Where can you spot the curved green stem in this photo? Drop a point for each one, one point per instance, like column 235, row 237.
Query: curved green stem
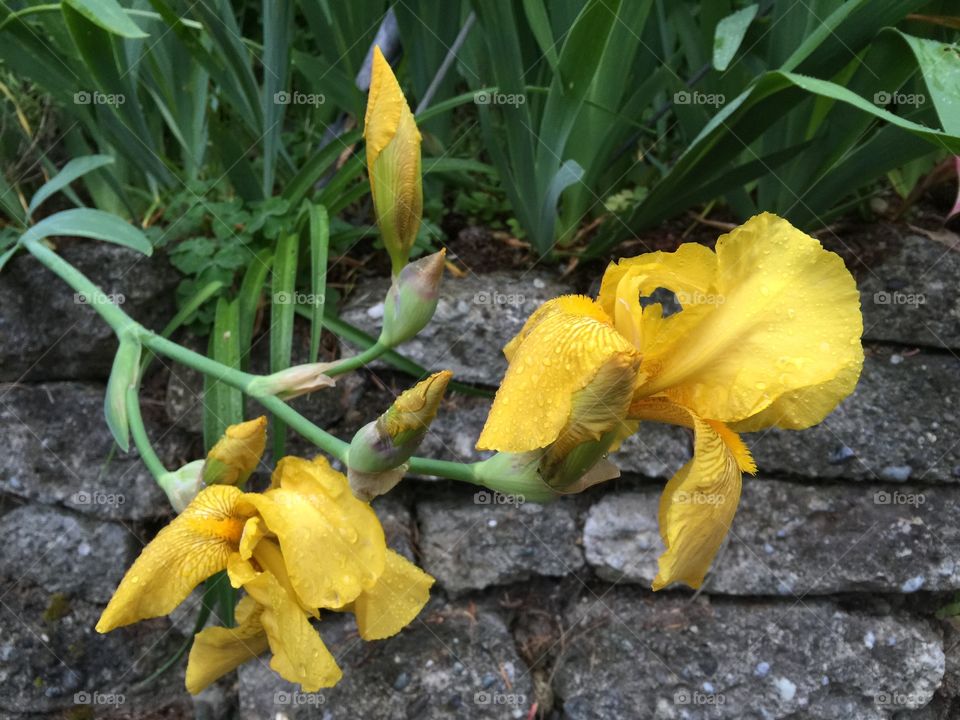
column 139, row 432
column 123, row 325
column 19, row 14
column 358, row 361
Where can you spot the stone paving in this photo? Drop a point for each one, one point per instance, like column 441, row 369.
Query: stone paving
column 823, row 603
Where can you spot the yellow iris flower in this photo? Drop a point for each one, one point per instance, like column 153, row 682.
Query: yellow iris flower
column 393, row 162
column 303, row 545
column 768, row 336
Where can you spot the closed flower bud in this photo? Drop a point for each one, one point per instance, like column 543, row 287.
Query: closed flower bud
column 293, row 382
column 236, row 454
column 182, row 486
column 412, row 299
column 393, row 161
column 379, row 451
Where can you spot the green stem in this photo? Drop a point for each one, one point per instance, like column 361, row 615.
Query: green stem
column 358, row 361
column 139, row 432
column 123, row 324
column 95, row 297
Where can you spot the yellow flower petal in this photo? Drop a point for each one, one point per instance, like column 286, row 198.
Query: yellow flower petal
column 299, row 654
column 332, row 543
column 385, row 105
column 557, row 353
column 182, row 555
column 219, row 650
column 786, row 317
column 699, row 502
column 690, row 273
column 806, row 406
column 397, row 598
column 236, row 454
column 393, row 161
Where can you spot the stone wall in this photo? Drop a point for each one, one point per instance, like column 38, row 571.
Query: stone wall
column 822, row 604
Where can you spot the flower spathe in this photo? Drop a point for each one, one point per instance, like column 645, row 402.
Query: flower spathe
column 768, row 336
column 305, row 545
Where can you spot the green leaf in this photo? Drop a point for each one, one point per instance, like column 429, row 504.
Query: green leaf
column 319, row 248
column 222, row 404
column 109, row 15
column 5, row 257
column 539, row 22
column 74, row 169
column 248, row 296
column 940, row 65
column 86, row 222
column 123, row 376
column 283, row 287
column 729, row 34
column 277, row 40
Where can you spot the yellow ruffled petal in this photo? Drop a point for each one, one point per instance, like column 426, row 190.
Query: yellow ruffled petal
column 299, row 654
column 785, row 319
column 699, row 502
column 690, row 273
column 236, row 454
column 397, row 598
column 557, row 353
column 333, row 545
column 219, row 650
column 186, row 552
column 393, row 161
